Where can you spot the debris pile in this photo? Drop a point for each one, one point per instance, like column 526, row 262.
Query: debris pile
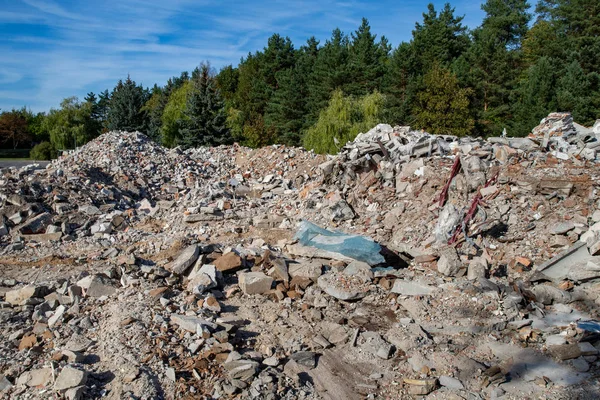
column 407, row 265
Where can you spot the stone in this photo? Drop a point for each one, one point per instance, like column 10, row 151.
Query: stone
column 279, row 270
column 565, row 351
column 20, row 297
column 185, row 259
column 57, row 316
column 451, row 383
column 311, row 269
column 587, row 349
column 562, row 228
column 76, row 393
column 70, row 377
column 5, row 384
column 420, row 386
column 580, row 365
column 342, row 287
column 384, row 351
column 305, row 358
column 97, row 285
column 271, row 361
column 73, row 356
column 37, row 224
column 36, row 377
column 477, row 269
column 555, row 340
column 191, row 323
column 254, row 282
column 170, row 373
column 228, row 262
column 411, row 288
column 449, row 264
column 359, row 269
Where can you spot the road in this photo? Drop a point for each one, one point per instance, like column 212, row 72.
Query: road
column 21, row 163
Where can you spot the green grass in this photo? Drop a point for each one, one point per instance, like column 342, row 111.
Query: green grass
column 15, row 159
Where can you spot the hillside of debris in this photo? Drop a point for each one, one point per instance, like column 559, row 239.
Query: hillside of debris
column 408, row 264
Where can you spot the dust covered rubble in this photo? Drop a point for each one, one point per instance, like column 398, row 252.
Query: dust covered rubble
column 133, row 271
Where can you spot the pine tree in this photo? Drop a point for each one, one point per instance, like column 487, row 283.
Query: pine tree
column 286, row 111
column 443, row 107
column 536, row 97
column 125, row 110
column 330, row 72
column 441, row 38
column 497, row 61
column 367, row 61
column 204, row 122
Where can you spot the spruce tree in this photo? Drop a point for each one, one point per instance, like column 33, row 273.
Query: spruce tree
column 204, row 120
column 367, row 61
column 125, row 110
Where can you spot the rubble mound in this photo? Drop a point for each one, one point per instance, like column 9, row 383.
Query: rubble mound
column 131, row 162
column 408, row 264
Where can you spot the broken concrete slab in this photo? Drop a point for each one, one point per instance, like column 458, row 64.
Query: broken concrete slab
column 254, row 282
column 411, row 288
column 185, row 259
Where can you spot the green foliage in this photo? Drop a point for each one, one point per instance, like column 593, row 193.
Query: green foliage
column 343, row 119
column 536, row 97
column 13, row 128
column 71, row 125
column 173, row 115
column 443, row 107
column 43, row 151
column 203, row 122
column 126, row 107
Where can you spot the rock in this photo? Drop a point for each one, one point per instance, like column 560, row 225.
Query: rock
column 76, row 393
column 587, row 349
column 450, row 382
column 580, row 365
column 420, row 386
column 340, row 211
column 20, row 297
column 36, row 377
column 565, row 351
column 241, row 369
column 170, row 373
column 562, row 227
column 185, row 259
column 385, row 351
column 97, row 285
column 555, row 340
column 57, row 316
column 360, row 270
column 311, row 269
column 254, row 282
column 305, row 358
column 271, row 361
column 409, row 288
column 279, row 271
column 70, row 377
column 191, row 323
column 5, row 384
column 342, row 287
column 477, row 269
column 37, row 224
column 449, row 264
column 228, row 262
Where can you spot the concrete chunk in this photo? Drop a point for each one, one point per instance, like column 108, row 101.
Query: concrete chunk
column 254, row 282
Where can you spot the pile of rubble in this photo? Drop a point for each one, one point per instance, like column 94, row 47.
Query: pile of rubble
column 438, row 266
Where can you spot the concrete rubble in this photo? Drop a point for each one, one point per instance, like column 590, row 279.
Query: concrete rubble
column 128, row 270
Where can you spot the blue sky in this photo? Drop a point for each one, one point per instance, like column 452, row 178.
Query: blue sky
column 53, row 49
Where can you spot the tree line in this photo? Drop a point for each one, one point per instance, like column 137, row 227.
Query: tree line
column 511, row 71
